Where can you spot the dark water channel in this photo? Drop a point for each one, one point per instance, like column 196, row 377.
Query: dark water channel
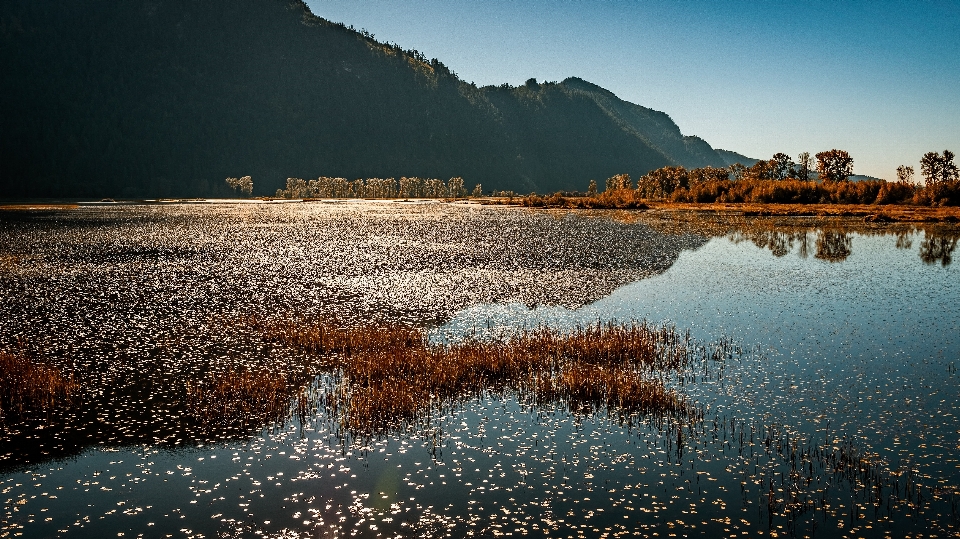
column 838, row 419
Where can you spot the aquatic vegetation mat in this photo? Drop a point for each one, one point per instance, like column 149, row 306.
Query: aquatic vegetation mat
column 394, row 374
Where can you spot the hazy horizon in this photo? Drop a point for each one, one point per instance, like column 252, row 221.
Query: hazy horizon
column 877, row 79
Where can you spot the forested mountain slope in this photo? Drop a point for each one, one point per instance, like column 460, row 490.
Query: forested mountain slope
column 168, row 97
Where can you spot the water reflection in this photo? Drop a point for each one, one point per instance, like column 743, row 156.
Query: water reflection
column 861, row 361
column 828, row 238
column 840, row 424
column 938, row 246
column 833, row 246
column 904, row 240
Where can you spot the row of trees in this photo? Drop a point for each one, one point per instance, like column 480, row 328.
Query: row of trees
column 936, row 169
column 242, row 185
column 833, row 165
column 818, row 179
column 780, row 179
column 324, row 187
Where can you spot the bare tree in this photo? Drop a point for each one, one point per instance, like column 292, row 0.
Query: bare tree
column 804, row 166
column 905, row 174
column 243, row 185
column 455, row 188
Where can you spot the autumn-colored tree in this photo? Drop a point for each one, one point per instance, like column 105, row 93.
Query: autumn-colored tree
column 761, row 170
column 707, row 174
column 938, row 169
column 618, row 182
column 737, row 171
column 834, row 165
column 660, row 183
column 781, row 166
column 477, row 191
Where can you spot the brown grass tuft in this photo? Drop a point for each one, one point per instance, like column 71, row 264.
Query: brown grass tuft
column 29, row 387
column 392, row 375
column 243, row 397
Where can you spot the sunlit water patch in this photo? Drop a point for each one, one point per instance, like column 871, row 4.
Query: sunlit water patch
column 837, row 419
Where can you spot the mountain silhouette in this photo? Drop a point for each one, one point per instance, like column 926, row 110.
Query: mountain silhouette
column 127, row 98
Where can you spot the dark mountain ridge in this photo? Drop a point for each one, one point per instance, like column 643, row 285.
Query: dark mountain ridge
column 169, row 97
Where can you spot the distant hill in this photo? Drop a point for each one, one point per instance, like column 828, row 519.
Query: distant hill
column 862, row 178
column 732, row 158
column 128, row 98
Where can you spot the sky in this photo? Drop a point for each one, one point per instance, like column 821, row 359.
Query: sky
column 879, row 79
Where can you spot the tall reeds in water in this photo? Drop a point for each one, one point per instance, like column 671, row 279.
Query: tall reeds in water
column 29, row 387
column 386, row 376
column 391, row 375
column 248, row 396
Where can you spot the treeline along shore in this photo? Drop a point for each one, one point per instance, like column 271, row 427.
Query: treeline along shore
column 778, row 186
column 778, row 180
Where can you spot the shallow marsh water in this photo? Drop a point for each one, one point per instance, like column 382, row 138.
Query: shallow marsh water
column 852, row 353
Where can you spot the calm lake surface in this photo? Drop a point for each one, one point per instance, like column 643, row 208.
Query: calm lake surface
column 836, row 418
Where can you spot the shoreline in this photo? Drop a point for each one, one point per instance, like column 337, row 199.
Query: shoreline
column 867, row 212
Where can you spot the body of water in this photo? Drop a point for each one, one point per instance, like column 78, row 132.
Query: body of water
column 833, row 416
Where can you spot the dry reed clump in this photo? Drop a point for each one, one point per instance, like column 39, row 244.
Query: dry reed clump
column 621, row 199
column 29, row 387
column 393, row 375
column 240, row 397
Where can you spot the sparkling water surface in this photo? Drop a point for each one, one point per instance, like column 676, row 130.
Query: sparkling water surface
column 849, row 358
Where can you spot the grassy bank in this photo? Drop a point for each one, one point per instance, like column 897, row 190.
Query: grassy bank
column 867, row 212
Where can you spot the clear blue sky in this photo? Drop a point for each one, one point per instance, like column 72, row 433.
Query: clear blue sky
column 880, row 79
